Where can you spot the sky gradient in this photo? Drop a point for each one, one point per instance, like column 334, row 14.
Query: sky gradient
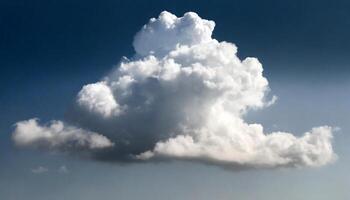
column 50, row 49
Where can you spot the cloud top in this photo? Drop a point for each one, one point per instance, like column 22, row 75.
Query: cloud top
column 182, row 96
column 165, row 33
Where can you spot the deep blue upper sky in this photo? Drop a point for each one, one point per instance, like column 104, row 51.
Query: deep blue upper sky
column 54, row 38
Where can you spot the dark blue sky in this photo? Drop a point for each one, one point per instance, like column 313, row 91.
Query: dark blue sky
column 50, row 49
column 67, row 37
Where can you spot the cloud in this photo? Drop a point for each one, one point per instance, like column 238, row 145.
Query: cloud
column 164, row 34
column 258, row 150
column 98, row 98
column 63, row 170
column 183, row 96
column 40, row 170
column 57, row 136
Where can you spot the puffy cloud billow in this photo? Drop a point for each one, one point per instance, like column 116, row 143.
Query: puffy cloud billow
column 182, row 96
column 57, row 136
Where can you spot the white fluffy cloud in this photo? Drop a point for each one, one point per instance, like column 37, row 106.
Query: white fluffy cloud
column 98, row 98
column 57, row 136
column 183, row 96
column 254, row 149
column 201, row 89
column 167, row 32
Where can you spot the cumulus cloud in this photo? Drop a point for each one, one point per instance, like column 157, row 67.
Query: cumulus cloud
column 63, row 169
column 57, row 136
column 183, row 96
column 40, row 170
column 98, row 98
column 164, row 34
column 257, row 150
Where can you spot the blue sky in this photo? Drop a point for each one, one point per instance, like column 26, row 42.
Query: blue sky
column 49, row 50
